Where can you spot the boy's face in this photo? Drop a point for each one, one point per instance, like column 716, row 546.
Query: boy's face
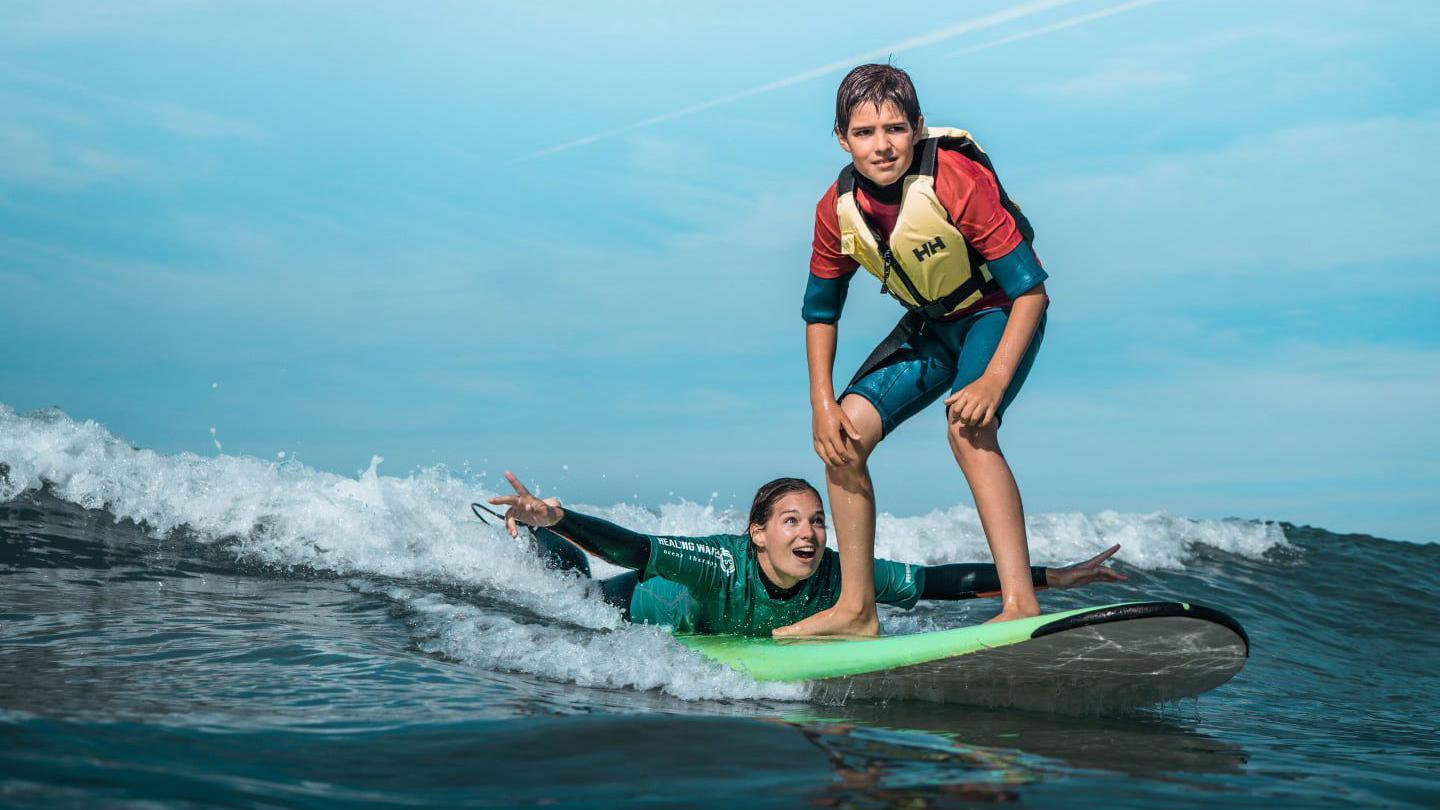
column 880, row 142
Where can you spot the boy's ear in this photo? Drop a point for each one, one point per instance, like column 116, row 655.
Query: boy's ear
column 919, row 133
column 844, row 144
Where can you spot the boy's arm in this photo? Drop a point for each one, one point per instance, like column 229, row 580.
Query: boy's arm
column 825, row 292
column 971, row 196
column 829, row 426
column 975, row 404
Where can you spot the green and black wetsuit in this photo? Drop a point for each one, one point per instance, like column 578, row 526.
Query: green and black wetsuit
column 714, row 584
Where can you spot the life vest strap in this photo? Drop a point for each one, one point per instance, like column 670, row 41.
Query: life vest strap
column 907, row 328
column 910, row 324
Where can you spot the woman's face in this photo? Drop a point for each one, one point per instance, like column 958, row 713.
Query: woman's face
column 789, row 545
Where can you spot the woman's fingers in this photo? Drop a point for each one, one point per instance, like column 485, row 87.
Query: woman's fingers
column 511, row 525
column 515, row 482
column 1103, row 556
column 504, row 500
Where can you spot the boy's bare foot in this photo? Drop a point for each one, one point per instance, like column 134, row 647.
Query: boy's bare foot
column 1011, row 613
column 835, row 621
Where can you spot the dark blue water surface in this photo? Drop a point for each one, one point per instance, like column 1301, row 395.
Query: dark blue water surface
column 137, row 669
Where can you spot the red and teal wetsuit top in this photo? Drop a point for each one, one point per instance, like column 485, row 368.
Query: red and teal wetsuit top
column 970, row 195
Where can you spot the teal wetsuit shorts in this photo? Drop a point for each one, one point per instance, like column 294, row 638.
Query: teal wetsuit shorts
column 941, row 357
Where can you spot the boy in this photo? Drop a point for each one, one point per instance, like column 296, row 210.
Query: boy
column 923, row 211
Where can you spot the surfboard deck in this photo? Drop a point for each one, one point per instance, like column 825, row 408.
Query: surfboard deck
column 1122, row 655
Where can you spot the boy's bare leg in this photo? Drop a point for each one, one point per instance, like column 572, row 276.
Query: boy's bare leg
column 852, row 508
column 1002, row 516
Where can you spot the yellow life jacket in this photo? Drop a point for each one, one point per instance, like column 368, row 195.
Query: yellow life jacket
column 926, row 264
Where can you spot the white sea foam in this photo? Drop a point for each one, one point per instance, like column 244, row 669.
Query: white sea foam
column 418, row 529
column 634, row 656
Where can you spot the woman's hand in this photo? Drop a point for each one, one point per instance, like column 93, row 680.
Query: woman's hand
column 975, row 404
column 526, row 508
column 833, row 433
column 1084, row 573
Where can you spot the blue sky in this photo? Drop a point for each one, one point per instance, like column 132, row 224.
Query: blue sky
column 344, row 229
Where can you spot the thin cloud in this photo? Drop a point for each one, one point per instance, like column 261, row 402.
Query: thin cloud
column 187, row 122
column 976, row 24
column 1059, row 26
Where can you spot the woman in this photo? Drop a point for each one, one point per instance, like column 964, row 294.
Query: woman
column 775, row 574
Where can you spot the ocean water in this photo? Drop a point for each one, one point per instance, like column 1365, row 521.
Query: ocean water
column 182, row 630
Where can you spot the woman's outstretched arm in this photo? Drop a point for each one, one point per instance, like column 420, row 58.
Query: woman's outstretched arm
column 970, row 580
column 976, row 580
column 602, row 538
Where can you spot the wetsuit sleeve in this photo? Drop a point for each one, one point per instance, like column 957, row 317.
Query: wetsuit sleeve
column 897, row 583
column 1018, row 271
column 703, row 564
column 971, row 197
column 830, row 269
column 615, row 545
column 826, row 258
column 967, row 580
column 824, row 298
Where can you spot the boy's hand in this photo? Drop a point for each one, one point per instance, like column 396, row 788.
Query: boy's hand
column 975, row 404
column 833, row 433
column 526, row 508
column 1084, row 573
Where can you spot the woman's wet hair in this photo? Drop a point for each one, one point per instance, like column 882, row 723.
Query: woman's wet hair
column 770, row 494
column 878, row 85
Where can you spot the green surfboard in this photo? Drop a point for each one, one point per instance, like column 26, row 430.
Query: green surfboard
column 1116, row 656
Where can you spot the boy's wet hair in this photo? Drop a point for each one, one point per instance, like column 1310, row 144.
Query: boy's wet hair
column 876, row 84
column 769, row 494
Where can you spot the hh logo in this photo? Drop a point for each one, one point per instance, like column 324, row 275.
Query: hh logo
column 930, row 249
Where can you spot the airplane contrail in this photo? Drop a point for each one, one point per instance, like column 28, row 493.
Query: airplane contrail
column 1059, row 26
column 976, row 24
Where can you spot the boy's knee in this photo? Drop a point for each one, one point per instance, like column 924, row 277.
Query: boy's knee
column 852, row 474
column 971, row 439
column 854, row 464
